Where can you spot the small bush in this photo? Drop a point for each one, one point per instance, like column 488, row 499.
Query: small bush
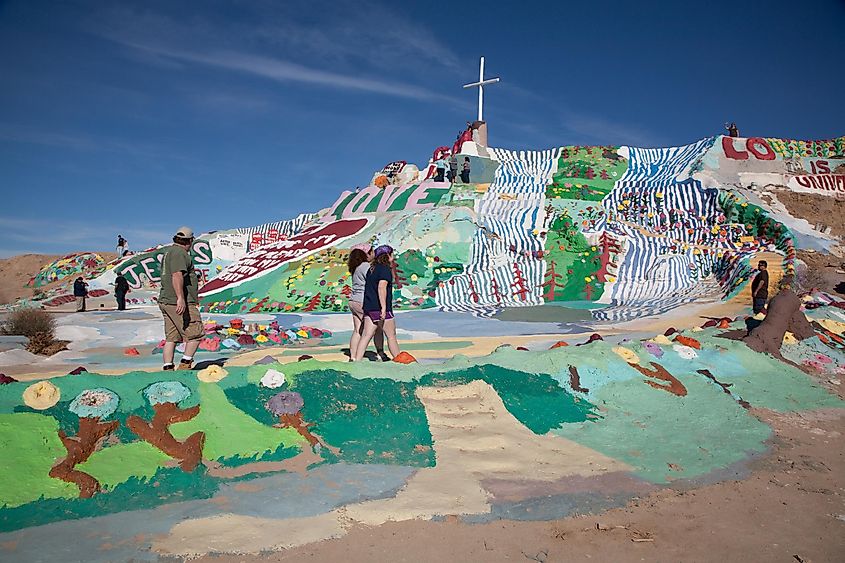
column 29, row 322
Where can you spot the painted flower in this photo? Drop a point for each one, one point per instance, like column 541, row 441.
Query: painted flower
column 685, row 352
column 272, row 379
column 286, row 402
column 653, row 349
column 821, row 358
column 94, row 403
column 212, row 374
column 627, row 355
column 167, row 392
column 41, row 395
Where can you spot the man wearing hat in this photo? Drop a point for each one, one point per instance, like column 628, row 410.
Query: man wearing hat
column 178, row 300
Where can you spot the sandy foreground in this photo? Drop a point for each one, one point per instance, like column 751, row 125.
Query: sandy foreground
column 790, row 509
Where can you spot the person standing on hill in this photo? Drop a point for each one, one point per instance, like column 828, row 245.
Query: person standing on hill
column 378, row 303
column 121, row 246
column 453, row 168
column 121, row 288
column 760, row 287
column 465, row 171
column 178, row 300
column 80, row 293
column 440, row 169
column 359, row 266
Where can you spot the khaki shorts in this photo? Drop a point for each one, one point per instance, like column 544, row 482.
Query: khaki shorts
column 357, row 310
column 184, row 327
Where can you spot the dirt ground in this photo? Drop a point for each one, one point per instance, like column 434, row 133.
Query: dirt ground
column 791, row 509
column 15, row 273
column 825, row 271
column 816, row 209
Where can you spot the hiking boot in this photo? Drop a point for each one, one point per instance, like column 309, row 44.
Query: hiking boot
column 185, row 365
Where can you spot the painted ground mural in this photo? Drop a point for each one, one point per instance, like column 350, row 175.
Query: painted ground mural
column 497, row 432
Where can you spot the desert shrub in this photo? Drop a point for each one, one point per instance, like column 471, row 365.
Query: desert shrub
column 29, row 322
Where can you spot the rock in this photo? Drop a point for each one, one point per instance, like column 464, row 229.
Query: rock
column 265, row 360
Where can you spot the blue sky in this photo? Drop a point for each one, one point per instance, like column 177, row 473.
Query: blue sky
column 137, row 117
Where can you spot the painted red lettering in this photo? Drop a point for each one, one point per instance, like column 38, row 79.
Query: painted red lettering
column 752, row 144
column 730, row 151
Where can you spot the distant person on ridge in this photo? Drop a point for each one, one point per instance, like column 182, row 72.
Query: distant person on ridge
column 178, row 300
column 732, row 129
column 121, row 288
column 80, row 292
column 465, row 171
column 760, row 287
column 121, row 246
column 453, row 168
column 440, row 167
column 378, row 303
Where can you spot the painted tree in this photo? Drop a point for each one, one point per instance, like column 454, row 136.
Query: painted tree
column 519, row 285
column 473, row 294
column 496, row 292
column 165, row 396
column 287, row 405
column 398, row 275
column 551, row 282
column 610, row 248
column 313, row 303
column 91, row 406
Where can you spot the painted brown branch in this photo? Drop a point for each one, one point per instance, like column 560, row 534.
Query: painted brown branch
column 659, row 372
column 79, row 449
column 575, row 380
column 157, row 433
column 725, row 387
column 295, row 421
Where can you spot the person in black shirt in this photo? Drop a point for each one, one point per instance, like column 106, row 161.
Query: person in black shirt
column 80, row 292
column 121, row 288
column 378, row 303
column 760, row 287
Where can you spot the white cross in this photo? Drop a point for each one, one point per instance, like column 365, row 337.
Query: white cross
column 480, row 85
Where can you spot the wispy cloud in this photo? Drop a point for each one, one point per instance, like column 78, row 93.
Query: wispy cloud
column 89, row 143
column 357, row 46
column 584, row 128
column 285, row 71
column 27, row 235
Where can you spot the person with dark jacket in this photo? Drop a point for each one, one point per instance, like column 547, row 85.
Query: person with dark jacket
column 760, row 288
column 80, row 292
column 121, row 288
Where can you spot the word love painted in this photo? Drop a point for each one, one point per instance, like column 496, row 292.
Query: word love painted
column 147, row 266
column 391, row 198
column 272, row 256
column 756, row 146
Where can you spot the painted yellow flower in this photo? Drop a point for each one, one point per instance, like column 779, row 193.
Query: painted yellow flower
column 41, row 395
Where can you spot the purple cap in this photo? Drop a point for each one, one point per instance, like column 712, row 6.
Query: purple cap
column 383, row 249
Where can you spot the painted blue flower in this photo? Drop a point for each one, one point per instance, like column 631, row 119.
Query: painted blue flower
column 286, row 402
column 94, row 403
column 167, row 392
